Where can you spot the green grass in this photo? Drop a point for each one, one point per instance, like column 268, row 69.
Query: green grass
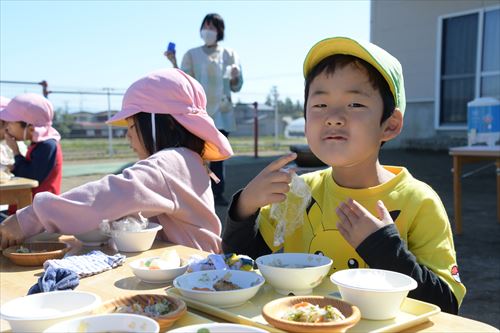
column 84, row 149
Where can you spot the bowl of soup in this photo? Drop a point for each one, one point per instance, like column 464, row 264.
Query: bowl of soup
column 294, row 273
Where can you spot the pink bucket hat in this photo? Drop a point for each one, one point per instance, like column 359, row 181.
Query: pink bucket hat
column 171, row 91
column 3, row 102
column 34, row 110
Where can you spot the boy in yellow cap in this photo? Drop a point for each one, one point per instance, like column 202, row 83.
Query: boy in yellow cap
column 361, row 213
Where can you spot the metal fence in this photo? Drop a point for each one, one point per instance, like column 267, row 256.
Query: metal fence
column 78, row 99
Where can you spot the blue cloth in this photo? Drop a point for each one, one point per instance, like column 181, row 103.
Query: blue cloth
column 88, row 264
column 55, row 279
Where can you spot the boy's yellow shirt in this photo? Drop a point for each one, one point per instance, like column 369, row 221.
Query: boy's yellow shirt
column 420, row 218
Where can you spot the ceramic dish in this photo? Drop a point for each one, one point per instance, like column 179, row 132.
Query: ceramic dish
column 158, row 274
column 368, row 288
column 135, row 241
column 93, row 238
column 112, row 322
column 38, row 253
column 125, row 305
column 303, row 271
column 199, row 286
column 274, row 312
column 34, row 313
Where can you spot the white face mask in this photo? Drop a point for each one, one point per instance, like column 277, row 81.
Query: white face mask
column 208, row 36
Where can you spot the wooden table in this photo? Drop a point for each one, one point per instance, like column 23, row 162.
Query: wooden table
column 471, row 154
column 16, row 280
column 17, row 191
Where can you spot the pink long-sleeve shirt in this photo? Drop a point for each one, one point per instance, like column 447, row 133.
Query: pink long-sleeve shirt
column 172, row 186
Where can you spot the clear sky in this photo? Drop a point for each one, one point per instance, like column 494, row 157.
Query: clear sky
column 89, row 45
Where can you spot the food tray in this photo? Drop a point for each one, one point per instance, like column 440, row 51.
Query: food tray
column 412, row 312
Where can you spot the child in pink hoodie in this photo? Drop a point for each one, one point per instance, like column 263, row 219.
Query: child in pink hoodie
column 169, row 129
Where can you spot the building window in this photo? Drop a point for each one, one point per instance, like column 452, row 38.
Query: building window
column 469, row 64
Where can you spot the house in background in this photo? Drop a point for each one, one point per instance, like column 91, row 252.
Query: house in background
column 450, row 53
column 93, row 125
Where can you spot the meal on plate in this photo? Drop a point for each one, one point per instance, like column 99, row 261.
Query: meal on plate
column 221, row 285
column 155, row 264
column 152, row 309
column 310, row 313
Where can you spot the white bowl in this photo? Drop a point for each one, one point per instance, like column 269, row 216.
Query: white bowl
column 111, row 322
column 294, row 273
column 38, row 311
column 249, row 282
column 136, row 241
column 161, row 275
column 376, row 292
column 218, row 327
column 93, row 238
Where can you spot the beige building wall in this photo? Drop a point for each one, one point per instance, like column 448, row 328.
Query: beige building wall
column 408, row 29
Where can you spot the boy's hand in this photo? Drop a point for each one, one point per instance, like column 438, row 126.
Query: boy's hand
column 10, row 232
column 269, row 186
column 356, row 223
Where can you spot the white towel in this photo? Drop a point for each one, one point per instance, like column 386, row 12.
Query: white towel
column 88, row 264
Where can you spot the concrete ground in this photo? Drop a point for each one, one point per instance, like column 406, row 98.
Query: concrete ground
column 477, row 248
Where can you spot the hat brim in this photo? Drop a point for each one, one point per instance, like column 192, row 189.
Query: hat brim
column 342, row 45
column 217, row 147
column 7, row 114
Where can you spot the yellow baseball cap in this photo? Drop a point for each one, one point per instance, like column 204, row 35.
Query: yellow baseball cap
column 383, row 61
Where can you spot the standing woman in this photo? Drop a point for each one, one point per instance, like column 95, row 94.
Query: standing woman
column 218, row 70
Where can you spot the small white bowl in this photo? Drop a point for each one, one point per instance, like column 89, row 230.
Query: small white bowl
column 136, row 241
column 376, row 292
column 161, row 275
column 294, row 273
column 38, row 311
column 219, row 328
column 111, row 322
column 93, row 238
column 249, row 282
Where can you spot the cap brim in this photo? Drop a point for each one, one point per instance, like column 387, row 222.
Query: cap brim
column 217, row 147
column 342, row 45
column 119, row 119
column 9, row 115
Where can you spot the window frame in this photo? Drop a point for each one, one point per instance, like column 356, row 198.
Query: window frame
column 479, row 58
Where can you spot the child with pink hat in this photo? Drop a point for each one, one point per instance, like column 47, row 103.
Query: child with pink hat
column 6, row 154
column 169, row 129
column 29, row 117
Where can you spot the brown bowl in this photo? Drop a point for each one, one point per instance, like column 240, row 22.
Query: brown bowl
column 39, row 252
column 164, row 321
column 273, row 311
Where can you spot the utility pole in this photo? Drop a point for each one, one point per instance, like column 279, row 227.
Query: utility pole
column 110, row 132
column 275, row 97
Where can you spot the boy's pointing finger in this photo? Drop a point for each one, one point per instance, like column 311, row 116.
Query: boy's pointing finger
column 281, row 162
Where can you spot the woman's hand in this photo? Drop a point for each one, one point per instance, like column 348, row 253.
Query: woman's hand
column 171, row 56
column 10, row 232
column 269, row 186
column 356, row 223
